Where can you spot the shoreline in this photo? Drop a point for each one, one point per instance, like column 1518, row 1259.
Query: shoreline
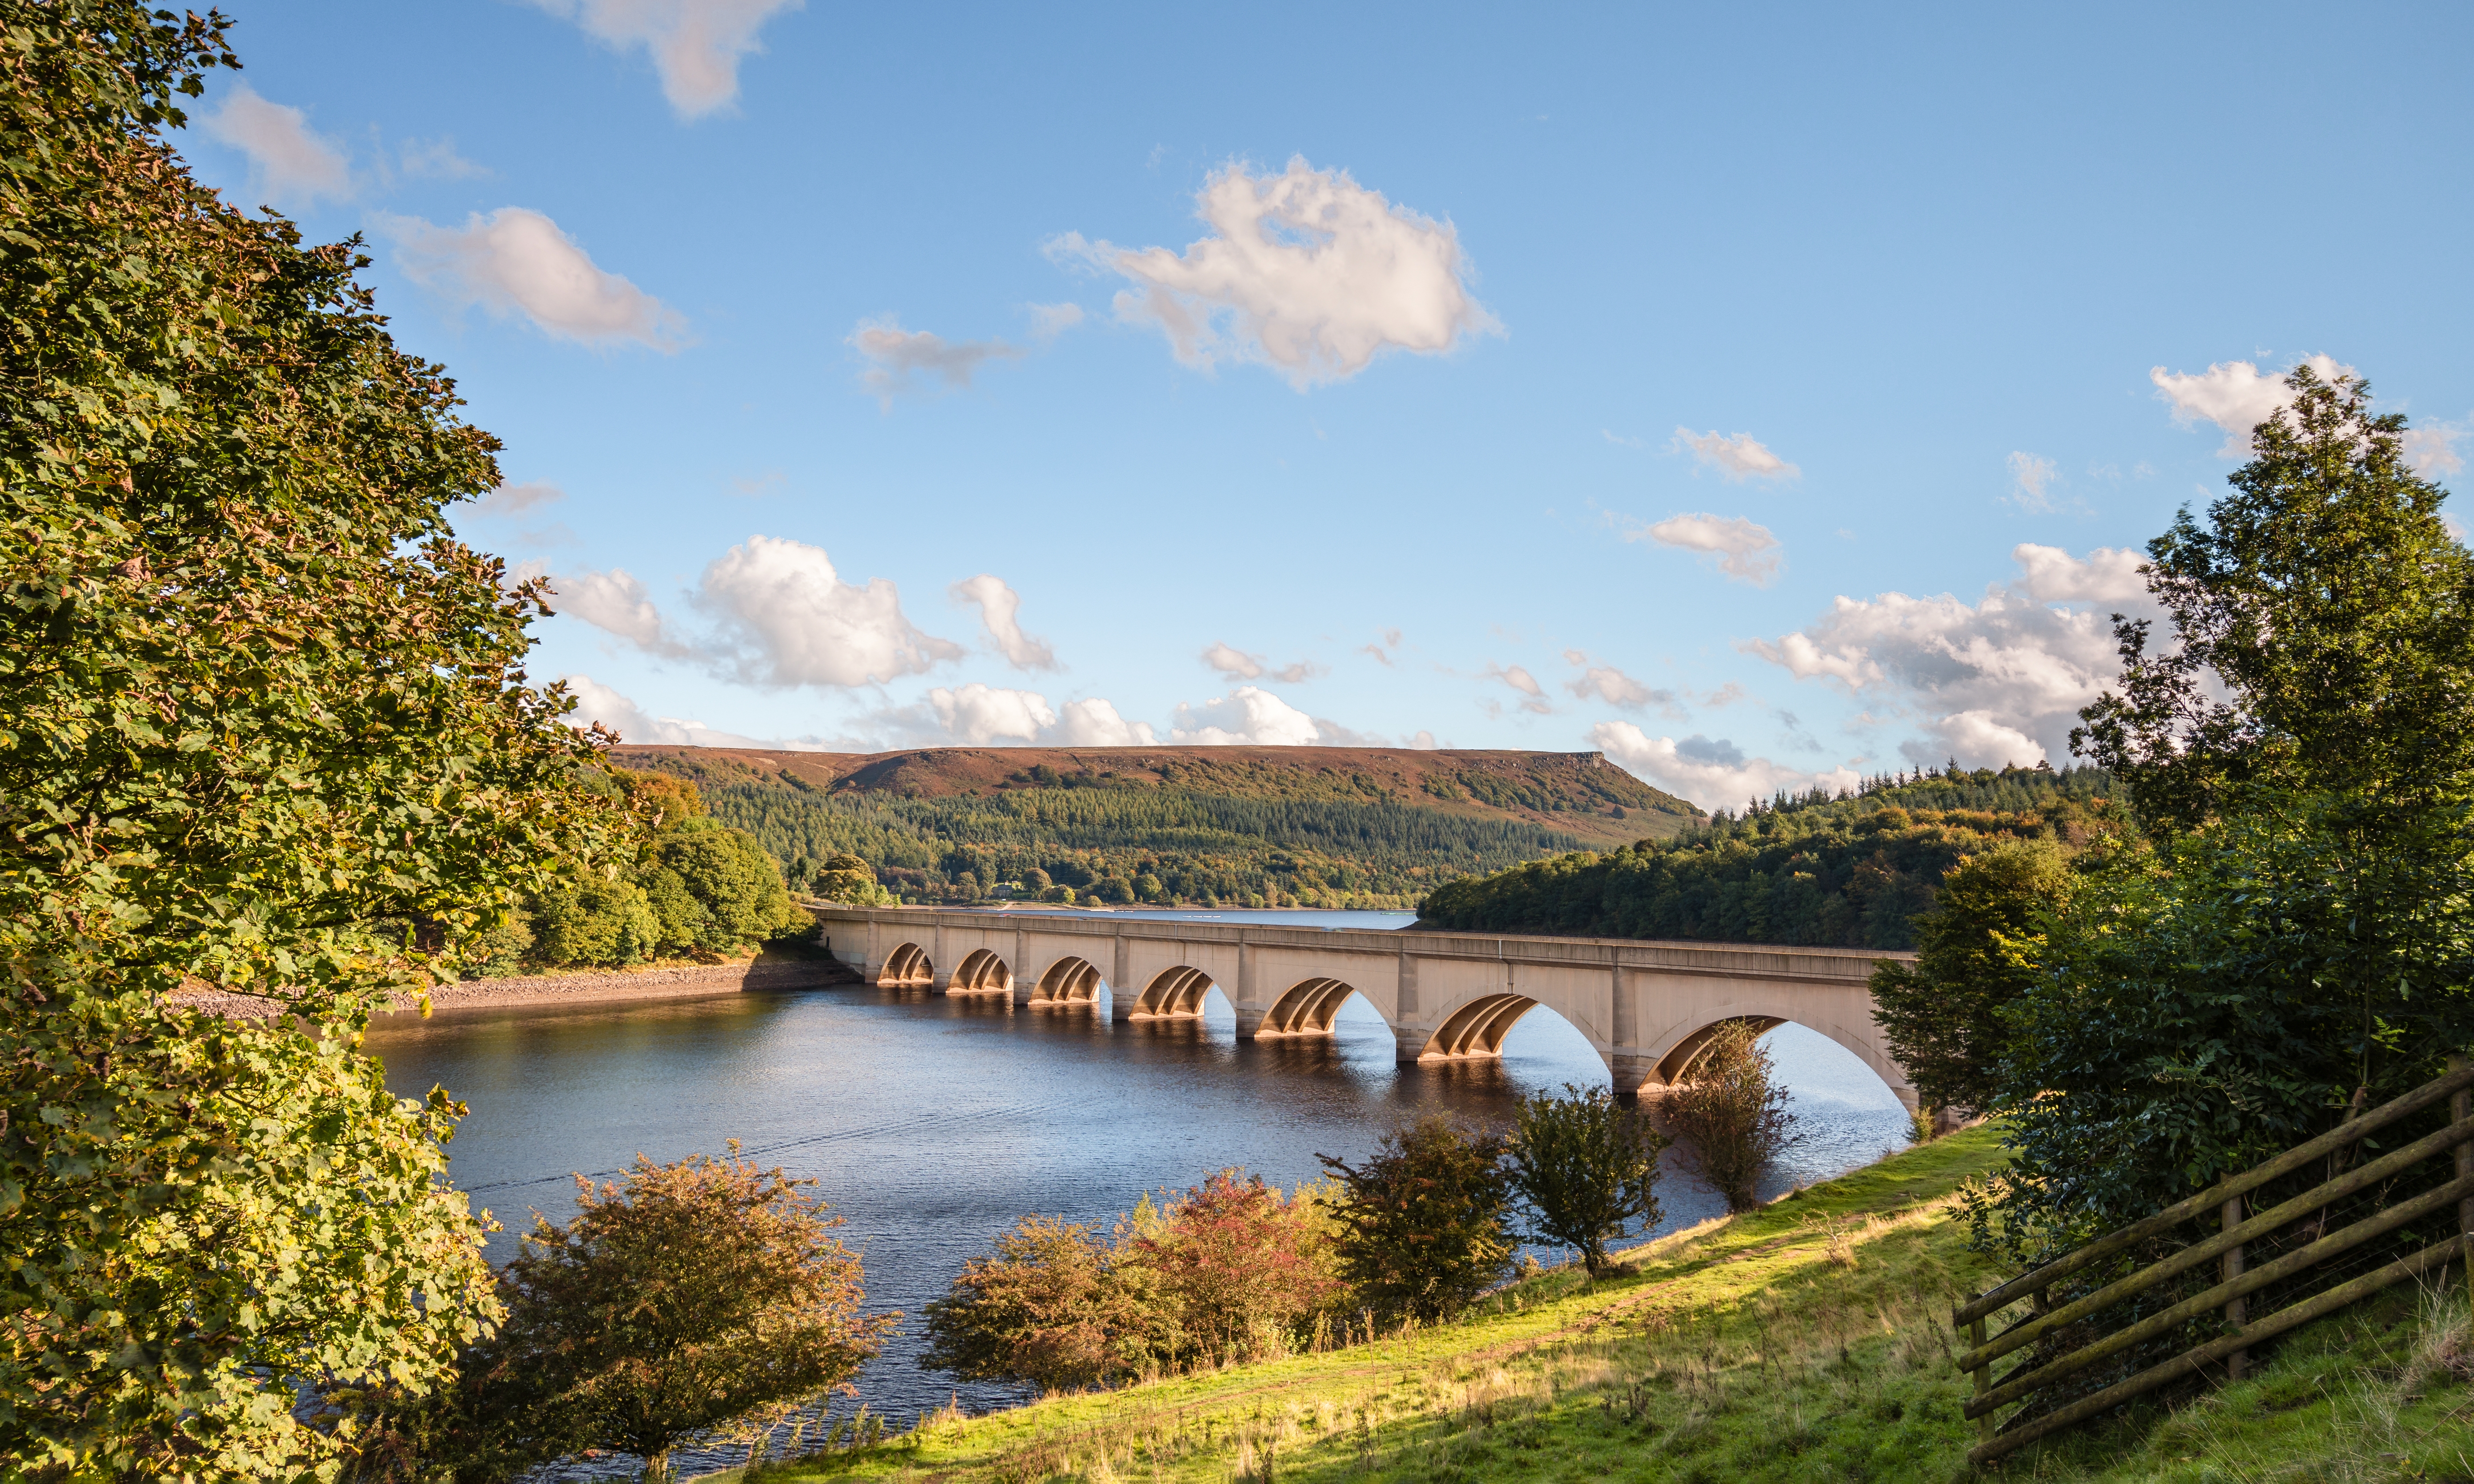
column 589, row 986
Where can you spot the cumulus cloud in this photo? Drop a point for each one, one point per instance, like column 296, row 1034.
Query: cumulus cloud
column 1521, row 681
column 1305, row 272
column 2031, row 477
column 786, row 618
column 696, row 45
column 1237, row 664
column 1245, row 715
column 595, row 701
column 1713, row 774
column 2432, row 448
column 1746, row 552
column 999, row 606
column 514, row 261
column 1738, row 458
column 436, row 160
column 1611, row 685
column 1998, row 681
column 515, row 499
column 617, row 603
column 979, row 714
column 1095, row 723
column 897, row 353
column 2235, row 395
column 287, row 164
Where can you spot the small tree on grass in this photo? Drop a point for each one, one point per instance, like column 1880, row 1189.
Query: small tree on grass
column 1733, row 1118
column 1424, row 1224
column 1586, row 1167
column 1051, row 1305
column 699, row 1295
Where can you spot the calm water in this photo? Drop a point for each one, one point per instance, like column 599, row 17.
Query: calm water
column 933, row 1123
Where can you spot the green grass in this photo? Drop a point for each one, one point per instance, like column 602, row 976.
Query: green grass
column 1809, row 1340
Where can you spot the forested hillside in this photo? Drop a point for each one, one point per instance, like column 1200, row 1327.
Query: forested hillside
column 1824, row 870
column 1220, row 825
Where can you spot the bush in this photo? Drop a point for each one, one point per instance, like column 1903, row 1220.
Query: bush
column 1244, row 1269
column 1423, row 1226
column 699, row 1295
column 1732, row 1116
column 1586, row 1167
column 1053, row 1305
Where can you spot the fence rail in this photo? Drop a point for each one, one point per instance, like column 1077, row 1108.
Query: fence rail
column 2237, row 1280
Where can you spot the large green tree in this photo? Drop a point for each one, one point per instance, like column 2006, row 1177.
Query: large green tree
column 263, row 727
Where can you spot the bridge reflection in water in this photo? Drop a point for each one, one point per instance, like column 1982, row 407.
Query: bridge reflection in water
column 1647, row 1008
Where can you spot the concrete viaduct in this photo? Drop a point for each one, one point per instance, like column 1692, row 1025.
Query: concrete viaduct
column 1647, row 1007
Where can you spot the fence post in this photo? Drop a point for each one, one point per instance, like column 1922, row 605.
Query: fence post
column 1983, row 1378
column 2460, row 1113
column 2231, row 1268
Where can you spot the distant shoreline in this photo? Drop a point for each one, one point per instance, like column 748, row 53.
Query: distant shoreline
column 591, row 987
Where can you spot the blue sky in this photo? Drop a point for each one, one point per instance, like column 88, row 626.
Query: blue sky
column 1762, row 397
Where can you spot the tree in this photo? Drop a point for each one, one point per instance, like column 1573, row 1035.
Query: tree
column 699, row 1295
column 263, row 726
column 714, row 888
column 1423, row 1226
column 1051, row 1305
column 845, row 877
column 1244, row 1268
column 1733, row 1118
column 1585, row 1169
column 1978, row 953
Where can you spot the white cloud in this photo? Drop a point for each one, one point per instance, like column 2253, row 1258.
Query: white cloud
column 789, row 619
column 1237, row 664
column 898, row 353
column 616, row 602
column 436, row 160
column 1095, row 723
column 1306, row 272
column 696, row 45
column 1738, row 458
column 595, row 701
column 287, row 164
column 1245, row 715
column 515, row 499
column 1521, row 681
column 1382, row 651
column 2029, row 478
column 2235, row 396
column 1049, row 321
column 1714, row 775
column 2432, row 448
column 1975, row 739
column 1987, row 676
column 1746, row 552
column 518, row 261
column 999, row 606
column 978, row 714
column 1616, row 689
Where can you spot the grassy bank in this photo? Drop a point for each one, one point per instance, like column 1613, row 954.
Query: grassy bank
column 1808, row 1341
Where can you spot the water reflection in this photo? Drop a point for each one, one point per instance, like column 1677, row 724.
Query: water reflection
column 933, row 1122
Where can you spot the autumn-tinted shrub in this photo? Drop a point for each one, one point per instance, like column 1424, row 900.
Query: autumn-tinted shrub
column 1051, row 1305
column 1732, row 1116
column 1244, row 1269
column 1424, row 1225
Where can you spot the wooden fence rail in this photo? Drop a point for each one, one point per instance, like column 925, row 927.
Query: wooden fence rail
column 2237, row 1280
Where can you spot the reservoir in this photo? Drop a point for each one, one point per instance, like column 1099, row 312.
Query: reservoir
column 933, row 1123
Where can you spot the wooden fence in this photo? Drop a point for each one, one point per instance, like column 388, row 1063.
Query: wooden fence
column 2236, row 1281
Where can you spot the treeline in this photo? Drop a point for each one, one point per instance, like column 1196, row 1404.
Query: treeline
column 1164, row 845
column 1824, row 870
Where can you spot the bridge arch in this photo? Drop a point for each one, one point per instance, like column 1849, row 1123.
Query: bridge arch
column 1477, row 1028
column 1306, row 1008
column 1670, row 1054
column 1174, row 993
column 981, row 972
column 1069, row 981
column 907, row 968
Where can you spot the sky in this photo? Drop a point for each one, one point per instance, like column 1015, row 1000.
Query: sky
column 1766, row 397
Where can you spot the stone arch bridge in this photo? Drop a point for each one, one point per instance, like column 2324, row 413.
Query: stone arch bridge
column 1647, row 1007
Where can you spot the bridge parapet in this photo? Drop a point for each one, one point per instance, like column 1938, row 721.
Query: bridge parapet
column 1645, row 1006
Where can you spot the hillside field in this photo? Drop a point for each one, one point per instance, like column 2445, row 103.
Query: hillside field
column 1202, row 826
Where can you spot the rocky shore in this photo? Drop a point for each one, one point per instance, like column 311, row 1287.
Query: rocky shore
column 591, row 987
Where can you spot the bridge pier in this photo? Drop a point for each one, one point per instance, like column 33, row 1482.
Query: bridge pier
column 1410, row 1043
column 1249, row 1019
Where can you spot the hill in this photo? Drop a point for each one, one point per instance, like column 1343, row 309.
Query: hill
column 1809, row 1340
column 1211, row 826
column 1823, row 869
